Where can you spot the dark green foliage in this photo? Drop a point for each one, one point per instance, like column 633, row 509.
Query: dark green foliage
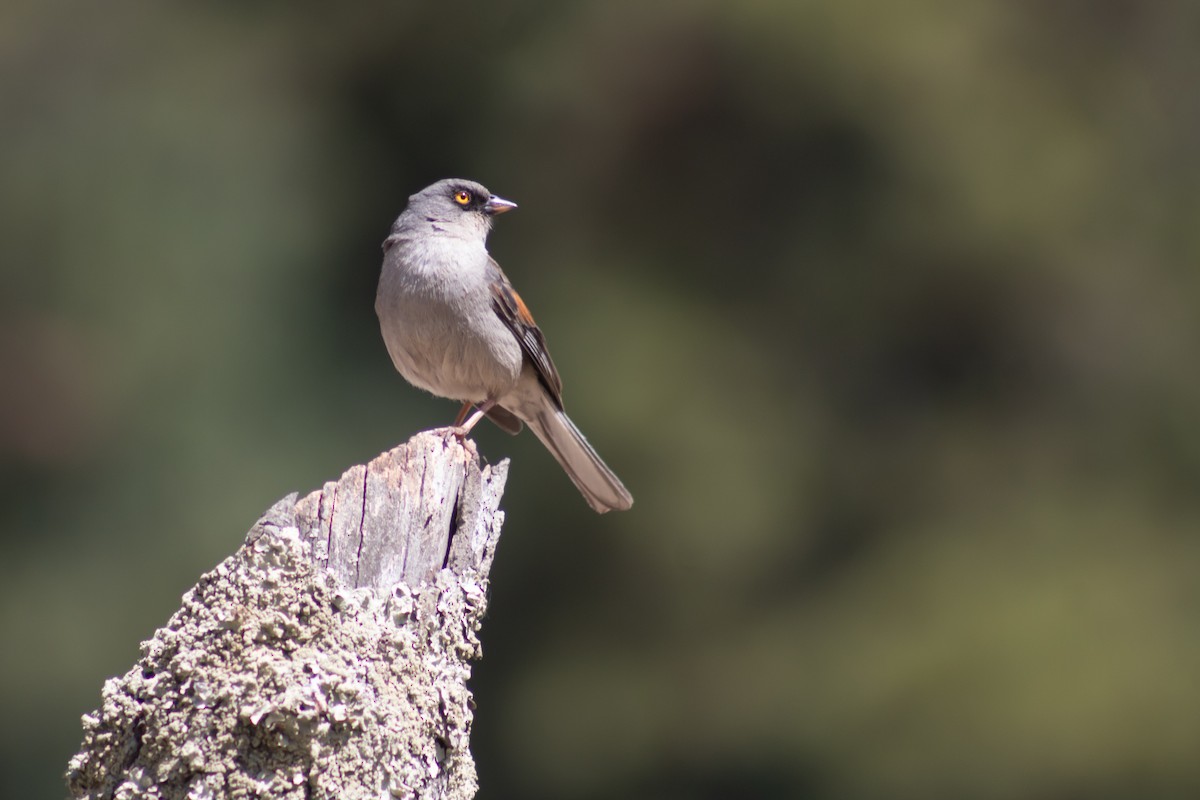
column 885, row 312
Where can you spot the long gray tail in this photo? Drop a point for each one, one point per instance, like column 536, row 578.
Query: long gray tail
column 600, row 487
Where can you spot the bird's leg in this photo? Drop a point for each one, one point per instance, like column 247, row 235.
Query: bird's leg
column 462, row 414
column 473, row 420
column 460, row 428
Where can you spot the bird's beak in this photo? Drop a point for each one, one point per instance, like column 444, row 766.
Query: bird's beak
column 497, row 205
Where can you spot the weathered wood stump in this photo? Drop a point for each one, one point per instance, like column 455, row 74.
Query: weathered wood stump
column 328, row 657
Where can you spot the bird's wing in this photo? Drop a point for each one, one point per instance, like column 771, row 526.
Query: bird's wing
column 512, row 310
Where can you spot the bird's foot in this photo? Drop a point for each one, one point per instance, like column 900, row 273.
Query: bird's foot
column 460, row 432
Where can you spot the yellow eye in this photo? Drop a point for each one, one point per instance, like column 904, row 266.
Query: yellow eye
column 462, row 197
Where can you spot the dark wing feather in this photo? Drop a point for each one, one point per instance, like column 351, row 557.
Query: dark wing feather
column 512, row 310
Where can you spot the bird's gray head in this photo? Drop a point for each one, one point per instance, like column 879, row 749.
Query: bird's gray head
column 455, row 207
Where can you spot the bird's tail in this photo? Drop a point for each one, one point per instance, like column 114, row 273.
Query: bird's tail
column 601, row 488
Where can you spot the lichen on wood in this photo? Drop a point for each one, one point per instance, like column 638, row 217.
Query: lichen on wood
column 327, row 658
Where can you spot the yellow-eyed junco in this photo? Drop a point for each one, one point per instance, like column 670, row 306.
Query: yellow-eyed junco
column 455, row 326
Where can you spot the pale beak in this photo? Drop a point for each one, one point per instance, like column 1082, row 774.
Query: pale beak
column 497, row 205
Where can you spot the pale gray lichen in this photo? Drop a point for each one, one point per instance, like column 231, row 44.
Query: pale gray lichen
column 274, row 681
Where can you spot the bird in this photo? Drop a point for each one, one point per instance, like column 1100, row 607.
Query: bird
column 454, row 326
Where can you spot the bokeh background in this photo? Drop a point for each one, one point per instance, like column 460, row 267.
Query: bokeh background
column 886, row 312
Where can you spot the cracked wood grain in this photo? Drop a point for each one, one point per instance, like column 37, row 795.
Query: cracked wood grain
column 393, row 519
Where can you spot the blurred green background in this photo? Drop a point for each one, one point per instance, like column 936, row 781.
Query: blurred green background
column 885, row 312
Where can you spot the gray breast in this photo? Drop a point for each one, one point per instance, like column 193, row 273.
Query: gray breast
column 435, row 313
